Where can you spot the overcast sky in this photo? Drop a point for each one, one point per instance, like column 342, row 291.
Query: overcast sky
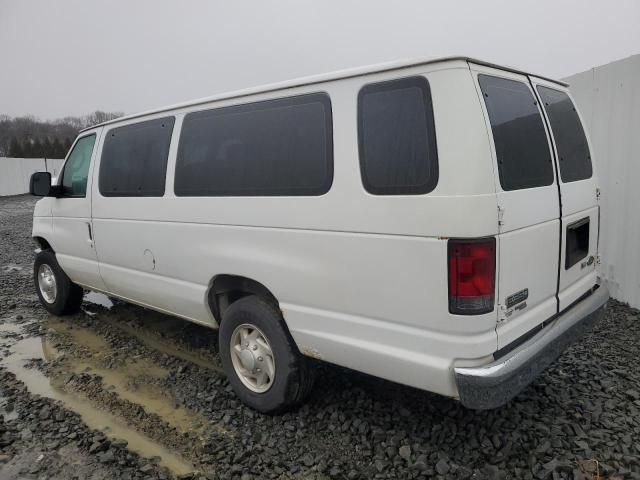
column 70, row 57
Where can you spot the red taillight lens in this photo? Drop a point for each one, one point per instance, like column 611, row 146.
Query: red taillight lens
column 472, row 271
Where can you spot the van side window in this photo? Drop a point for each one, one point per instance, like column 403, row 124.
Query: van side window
column 76, row 169
column 574, row 158
column 134, row 159
column 280, row 147
column 396, row 137
column 522, row 148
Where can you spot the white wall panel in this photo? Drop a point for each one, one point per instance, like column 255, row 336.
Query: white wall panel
column 16, row 172
column 609, row 100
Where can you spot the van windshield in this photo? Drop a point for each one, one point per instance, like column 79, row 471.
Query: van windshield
column 571, row 142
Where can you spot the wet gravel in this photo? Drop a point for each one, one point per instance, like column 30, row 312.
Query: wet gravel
column 585, row 408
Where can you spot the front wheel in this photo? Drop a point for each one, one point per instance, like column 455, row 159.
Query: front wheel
column 260, row 358
column 57, row 293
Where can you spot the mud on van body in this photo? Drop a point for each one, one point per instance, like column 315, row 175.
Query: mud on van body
column 432, row 223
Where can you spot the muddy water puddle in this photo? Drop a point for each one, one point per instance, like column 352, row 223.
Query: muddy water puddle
column 9, row 329
column 133, row 379
column 166, row 345
column 129, row 381
column 155, row 330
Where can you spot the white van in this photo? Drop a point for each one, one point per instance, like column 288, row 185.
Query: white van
column 432, row 223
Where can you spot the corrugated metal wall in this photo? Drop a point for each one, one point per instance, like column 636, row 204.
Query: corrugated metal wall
column 609, row 100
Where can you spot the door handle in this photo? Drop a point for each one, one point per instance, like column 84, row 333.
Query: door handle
column 90, row 240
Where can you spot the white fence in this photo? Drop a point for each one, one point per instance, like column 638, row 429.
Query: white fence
column 16, row 172
column 609, row 100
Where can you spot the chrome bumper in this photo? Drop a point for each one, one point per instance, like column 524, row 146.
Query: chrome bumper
column 493, row 385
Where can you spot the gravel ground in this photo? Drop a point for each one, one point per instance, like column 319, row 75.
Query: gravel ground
column 117, row 391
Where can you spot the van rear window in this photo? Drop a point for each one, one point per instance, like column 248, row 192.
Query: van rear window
column 522, row 148
column 134, row 159
column 397, row 138
column 571, row 142
column 280, row 147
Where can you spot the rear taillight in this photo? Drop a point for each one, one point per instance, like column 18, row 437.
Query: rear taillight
column 472, row 272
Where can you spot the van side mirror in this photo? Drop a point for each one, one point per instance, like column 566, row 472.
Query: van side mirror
column 40, row 184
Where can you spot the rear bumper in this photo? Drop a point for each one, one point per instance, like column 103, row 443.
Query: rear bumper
column 493, row 385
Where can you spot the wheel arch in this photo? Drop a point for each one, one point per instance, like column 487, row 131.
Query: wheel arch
column 42, row 242
column 225, row 289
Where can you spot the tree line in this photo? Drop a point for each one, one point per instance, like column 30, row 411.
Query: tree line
column 30, row 137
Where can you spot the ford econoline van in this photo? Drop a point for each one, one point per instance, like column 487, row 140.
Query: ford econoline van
column 433, row 223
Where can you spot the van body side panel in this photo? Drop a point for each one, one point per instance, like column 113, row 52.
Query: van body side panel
column 337, row 291
column 361, row 278
column 529, row 228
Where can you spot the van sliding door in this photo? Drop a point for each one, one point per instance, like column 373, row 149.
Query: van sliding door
column 578, row 192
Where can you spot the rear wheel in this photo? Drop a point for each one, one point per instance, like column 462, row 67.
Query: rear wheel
column 261, row 359
column 57, row 293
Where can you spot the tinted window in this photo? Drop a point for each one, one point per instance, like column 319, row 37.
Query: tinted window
column 134, row 159
column 522, row 148
column 397, row 139
column 76, row 168
column 277, row 147
column 571, row 142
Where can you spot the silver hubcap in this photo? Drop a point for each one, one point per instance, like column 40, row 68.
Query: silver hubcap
column 47, row 283
column 252, row 358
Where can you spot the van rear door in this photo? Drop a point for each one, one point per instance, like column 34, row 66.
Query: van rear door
column 528, row 202
column 578, row 192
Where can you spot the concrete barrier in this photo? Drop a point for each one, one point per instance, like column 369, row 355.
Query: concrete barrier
column 16, row 172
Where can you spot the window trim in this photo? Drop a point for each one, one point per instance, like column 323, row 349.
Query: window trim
column 322, row 97
column 422, row 83
column 64, row 168
column 107, row 133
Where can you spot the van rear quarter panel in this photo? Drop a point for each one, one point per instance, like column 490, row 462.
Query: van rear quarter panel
column 361, row 279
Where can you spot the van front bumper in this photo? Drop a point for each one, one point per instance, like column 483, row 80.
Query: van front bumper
column 493, row 385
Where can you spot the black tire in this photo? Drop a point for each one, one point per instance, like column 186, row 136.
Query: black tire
column 293, row 372
column 68, row 297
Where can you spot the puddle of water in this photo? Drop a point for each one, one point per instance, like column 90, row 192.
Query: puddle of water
column 165, row 346
column 10, row 329
column 129, row 381
column 39, row 384
column 80, row 335
column 122, row 382
column 98, row 299
column 155, row 324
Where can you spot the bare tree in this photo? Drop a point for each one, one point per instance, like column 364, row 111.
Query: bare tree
column 34, row 137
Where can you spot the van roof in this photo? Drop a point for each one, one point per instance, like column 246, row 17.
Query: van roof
column 321, row 78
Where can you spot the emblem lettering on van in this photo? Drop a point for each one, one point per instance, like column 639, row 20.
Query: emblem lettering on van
column 522, row 306
column 517, row 297
column 588, row 262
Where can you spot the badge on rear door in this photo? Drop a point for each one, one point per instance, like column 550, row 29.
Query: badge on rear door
column 517, row 297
